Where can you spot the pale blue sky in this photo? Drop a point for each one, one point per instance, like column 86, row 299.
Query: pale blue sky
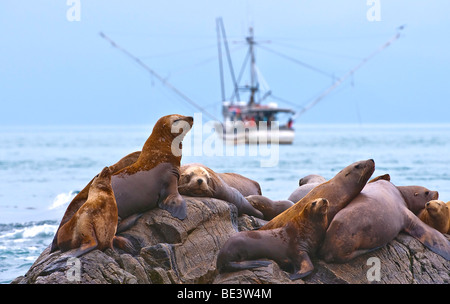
column 53, row 71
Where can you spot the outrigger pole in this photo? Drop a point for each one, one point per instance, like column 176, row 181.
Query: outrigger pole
column 349, row 73
column 163, row 81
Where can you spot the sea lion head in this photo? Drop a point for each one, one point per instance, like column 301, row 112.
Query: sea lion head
column 417, row 196
column 196, row 180
column 167, row 135
column 360, row 171
column 317, row 208
column 102, row 181
column 436, row 207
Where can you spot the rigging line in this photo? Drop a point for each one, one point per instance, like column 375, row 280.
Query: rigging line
column 163, row 81
column 296, row 61
column 349, row 74
column 297, row 48
column 227, row 50
column 183, row 69
column 285, row 101
column 178, row 52
column 241, row 72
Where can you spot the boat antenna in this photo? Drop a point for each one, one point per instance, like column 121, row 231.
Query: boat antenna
column 349, row 73
column 163, row 81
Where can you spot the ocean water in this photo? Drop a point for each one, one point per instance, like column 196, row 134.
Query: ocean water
column 42, row 168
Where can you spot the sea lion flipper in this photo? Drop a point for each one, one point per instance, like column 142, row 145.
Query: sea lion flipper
column 428, row 236
column 176, row 205
column 128, row 222
column 303, row 266
column 243, row 265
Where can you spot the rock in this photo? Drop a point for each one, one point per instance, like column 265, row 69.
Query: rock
column 173, row 252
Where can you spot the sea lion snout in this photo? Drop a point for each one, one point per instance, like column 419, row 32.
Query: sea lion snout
column 434, row 195
column 188, row 119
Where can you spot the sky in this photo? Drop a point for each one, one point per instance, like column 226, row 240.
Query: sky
column 58, row 71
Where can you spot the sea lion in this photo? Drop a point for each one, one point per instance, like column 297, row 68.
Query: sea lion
column 311, row 179
column 244, row 185
column 94, row 225
column 290, row 246
column 268, row 207
column 375, row 217
column 437, row 215
column 199, row 180
column 306, row 184
column 339, row 191
column 146, row 179
column 421, row 197
column 82, row 196
column 152, row 180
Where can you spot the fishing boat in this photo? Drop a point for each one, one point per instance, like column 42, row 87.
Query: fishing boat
column 251, row 121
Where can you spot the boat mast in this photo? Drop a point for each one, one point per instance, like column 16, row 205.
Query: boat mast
column 253, row 83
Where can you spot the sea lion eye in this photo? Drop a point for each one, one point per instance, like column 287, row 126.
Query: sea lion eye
column 427, row 192
column 358, row 166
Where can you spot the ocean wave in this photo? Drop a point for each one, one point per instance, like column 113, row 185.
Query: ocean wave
column 63, row 199
column 26, row 231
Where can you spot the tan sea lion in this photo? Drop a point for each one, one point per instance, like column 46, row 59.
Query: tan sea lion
column 448, row 206
column 268, row 207
column 437, row 215
column 375, row 217
column 94, row 225
column 149, row 178
column 290, row 246
column 199, row 180
column 339, row 191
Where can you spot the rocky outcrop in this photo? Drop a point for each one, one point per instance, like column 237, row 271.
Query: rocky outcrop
column 173, row 251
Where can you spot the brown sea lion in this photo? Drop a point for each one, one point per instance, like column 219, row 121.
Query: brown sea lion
column 437, row 215
column 94, row 225
column 268, row 207
column 199, row 180
column 375, row 217
column 421, row 196
column 146, row 179
column 290, row 246
column 339, row 191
